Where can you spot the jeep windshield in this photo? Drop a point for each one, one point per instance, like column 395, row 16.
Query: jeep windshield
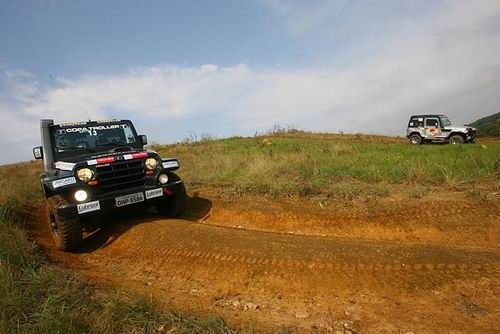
column 445, row 121
column 93, row 137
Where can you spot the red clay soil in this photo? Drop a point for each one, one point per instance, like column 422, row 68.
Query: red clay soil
column 390, row 265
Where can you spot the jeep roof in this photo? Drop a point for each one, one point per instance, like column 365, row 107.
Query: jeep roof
column 428, row 115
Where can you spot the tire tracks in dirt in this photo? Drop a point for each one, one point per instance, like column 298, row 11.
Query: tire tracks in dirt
column 188, row 247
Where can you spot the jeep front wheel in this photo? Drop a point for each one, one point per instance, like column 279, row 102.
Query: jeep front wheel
column 415, row 139
column 456, row 140
column 66, row 233
column 173, row 205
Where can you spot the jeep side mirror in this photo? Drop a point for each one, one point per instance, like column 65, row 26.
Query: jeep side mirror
column 38, row 152
column 144, row 139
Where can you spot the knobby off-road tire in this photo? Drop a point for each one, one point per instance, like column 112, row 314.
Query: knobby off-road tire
column 456, row 140
column 415, row 139
column 67, row 233
column 173, row 205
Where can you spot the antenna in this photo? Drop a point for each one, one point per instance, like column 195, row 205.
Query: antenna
column 88, row 114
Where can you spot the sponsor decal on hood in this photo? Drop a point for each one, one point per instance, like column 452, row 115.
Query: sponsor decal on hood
column 113, row 158
column 63, row 165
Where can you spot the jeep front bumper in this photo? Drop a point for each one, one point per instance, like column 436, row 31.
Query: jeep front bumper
column 144, row 195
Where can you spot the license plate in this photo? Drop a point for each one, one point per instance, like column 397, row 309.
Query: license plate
column 129, row 199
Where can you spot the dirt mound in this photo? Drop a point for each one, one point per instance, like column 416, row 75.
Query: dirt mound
column 440, row 217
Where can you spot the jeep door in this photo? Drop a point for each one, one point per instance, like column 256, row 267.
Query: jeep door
column 415, row 124
column 432, row 128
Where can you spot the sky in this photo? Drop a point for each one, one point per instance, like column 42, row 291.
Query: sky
column 237, row 67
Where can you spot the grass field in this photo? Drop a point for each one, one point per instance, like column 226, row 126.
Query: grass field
column 305, row 164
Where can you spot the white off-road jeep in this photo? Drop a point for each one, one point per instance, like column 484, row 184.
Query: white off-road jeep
column 437, row 129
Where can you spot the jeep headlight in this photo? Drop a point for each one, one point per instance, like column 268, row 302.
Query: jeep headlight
column 85, row 174
column 81, row 195
column 151, row 163
column 163, row 178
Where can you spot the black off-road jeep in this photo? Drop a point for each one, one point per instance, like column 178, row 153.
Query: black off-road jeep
column 100, row 166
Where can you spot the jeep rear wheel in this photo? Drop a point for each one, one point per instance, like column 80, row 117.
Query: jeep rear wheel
column 456, row 140
column 415, row 139
column 173, row 205
column 66, row 233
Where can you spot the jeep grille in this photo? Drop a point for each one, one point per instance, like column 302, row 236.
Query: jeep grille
column 121, row 175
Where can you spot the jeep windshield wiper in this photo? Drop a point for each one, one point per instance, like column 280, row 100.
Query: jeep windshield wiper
column 113, row 144
column 117, row 146
column 78, row 148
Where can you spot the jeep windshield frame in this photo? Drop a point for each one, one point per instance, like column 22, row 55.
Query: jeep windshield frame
column 92, row 138
column 445, row 121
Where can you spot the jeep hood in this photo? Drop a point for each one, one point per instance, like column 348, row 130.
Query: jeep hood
column 463, row 128
column 99, row 158
column 98, row 155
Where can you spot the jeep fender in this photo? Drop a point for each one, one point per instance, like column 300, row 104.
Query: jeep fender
column 46, row 189
column 413, row 133
column 46, row 184
column 457, row 133
column 43, row 186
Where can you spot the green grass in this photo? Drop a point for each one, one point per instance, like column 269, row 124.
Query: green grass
column 319, row 164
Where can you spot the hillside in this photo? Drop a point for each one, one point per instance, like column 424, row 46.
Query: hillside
column 340, row 216
column 488, row 126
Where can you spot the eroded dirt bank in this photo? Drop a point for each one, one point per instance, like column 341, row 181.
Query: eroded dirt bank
column 390, row 266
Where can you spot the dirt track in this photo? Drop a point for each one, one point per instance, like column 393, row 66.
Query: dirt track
column 381, row 275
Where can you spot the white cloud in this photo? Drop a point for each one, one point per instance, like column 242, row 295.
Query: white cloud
column 448, row 62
